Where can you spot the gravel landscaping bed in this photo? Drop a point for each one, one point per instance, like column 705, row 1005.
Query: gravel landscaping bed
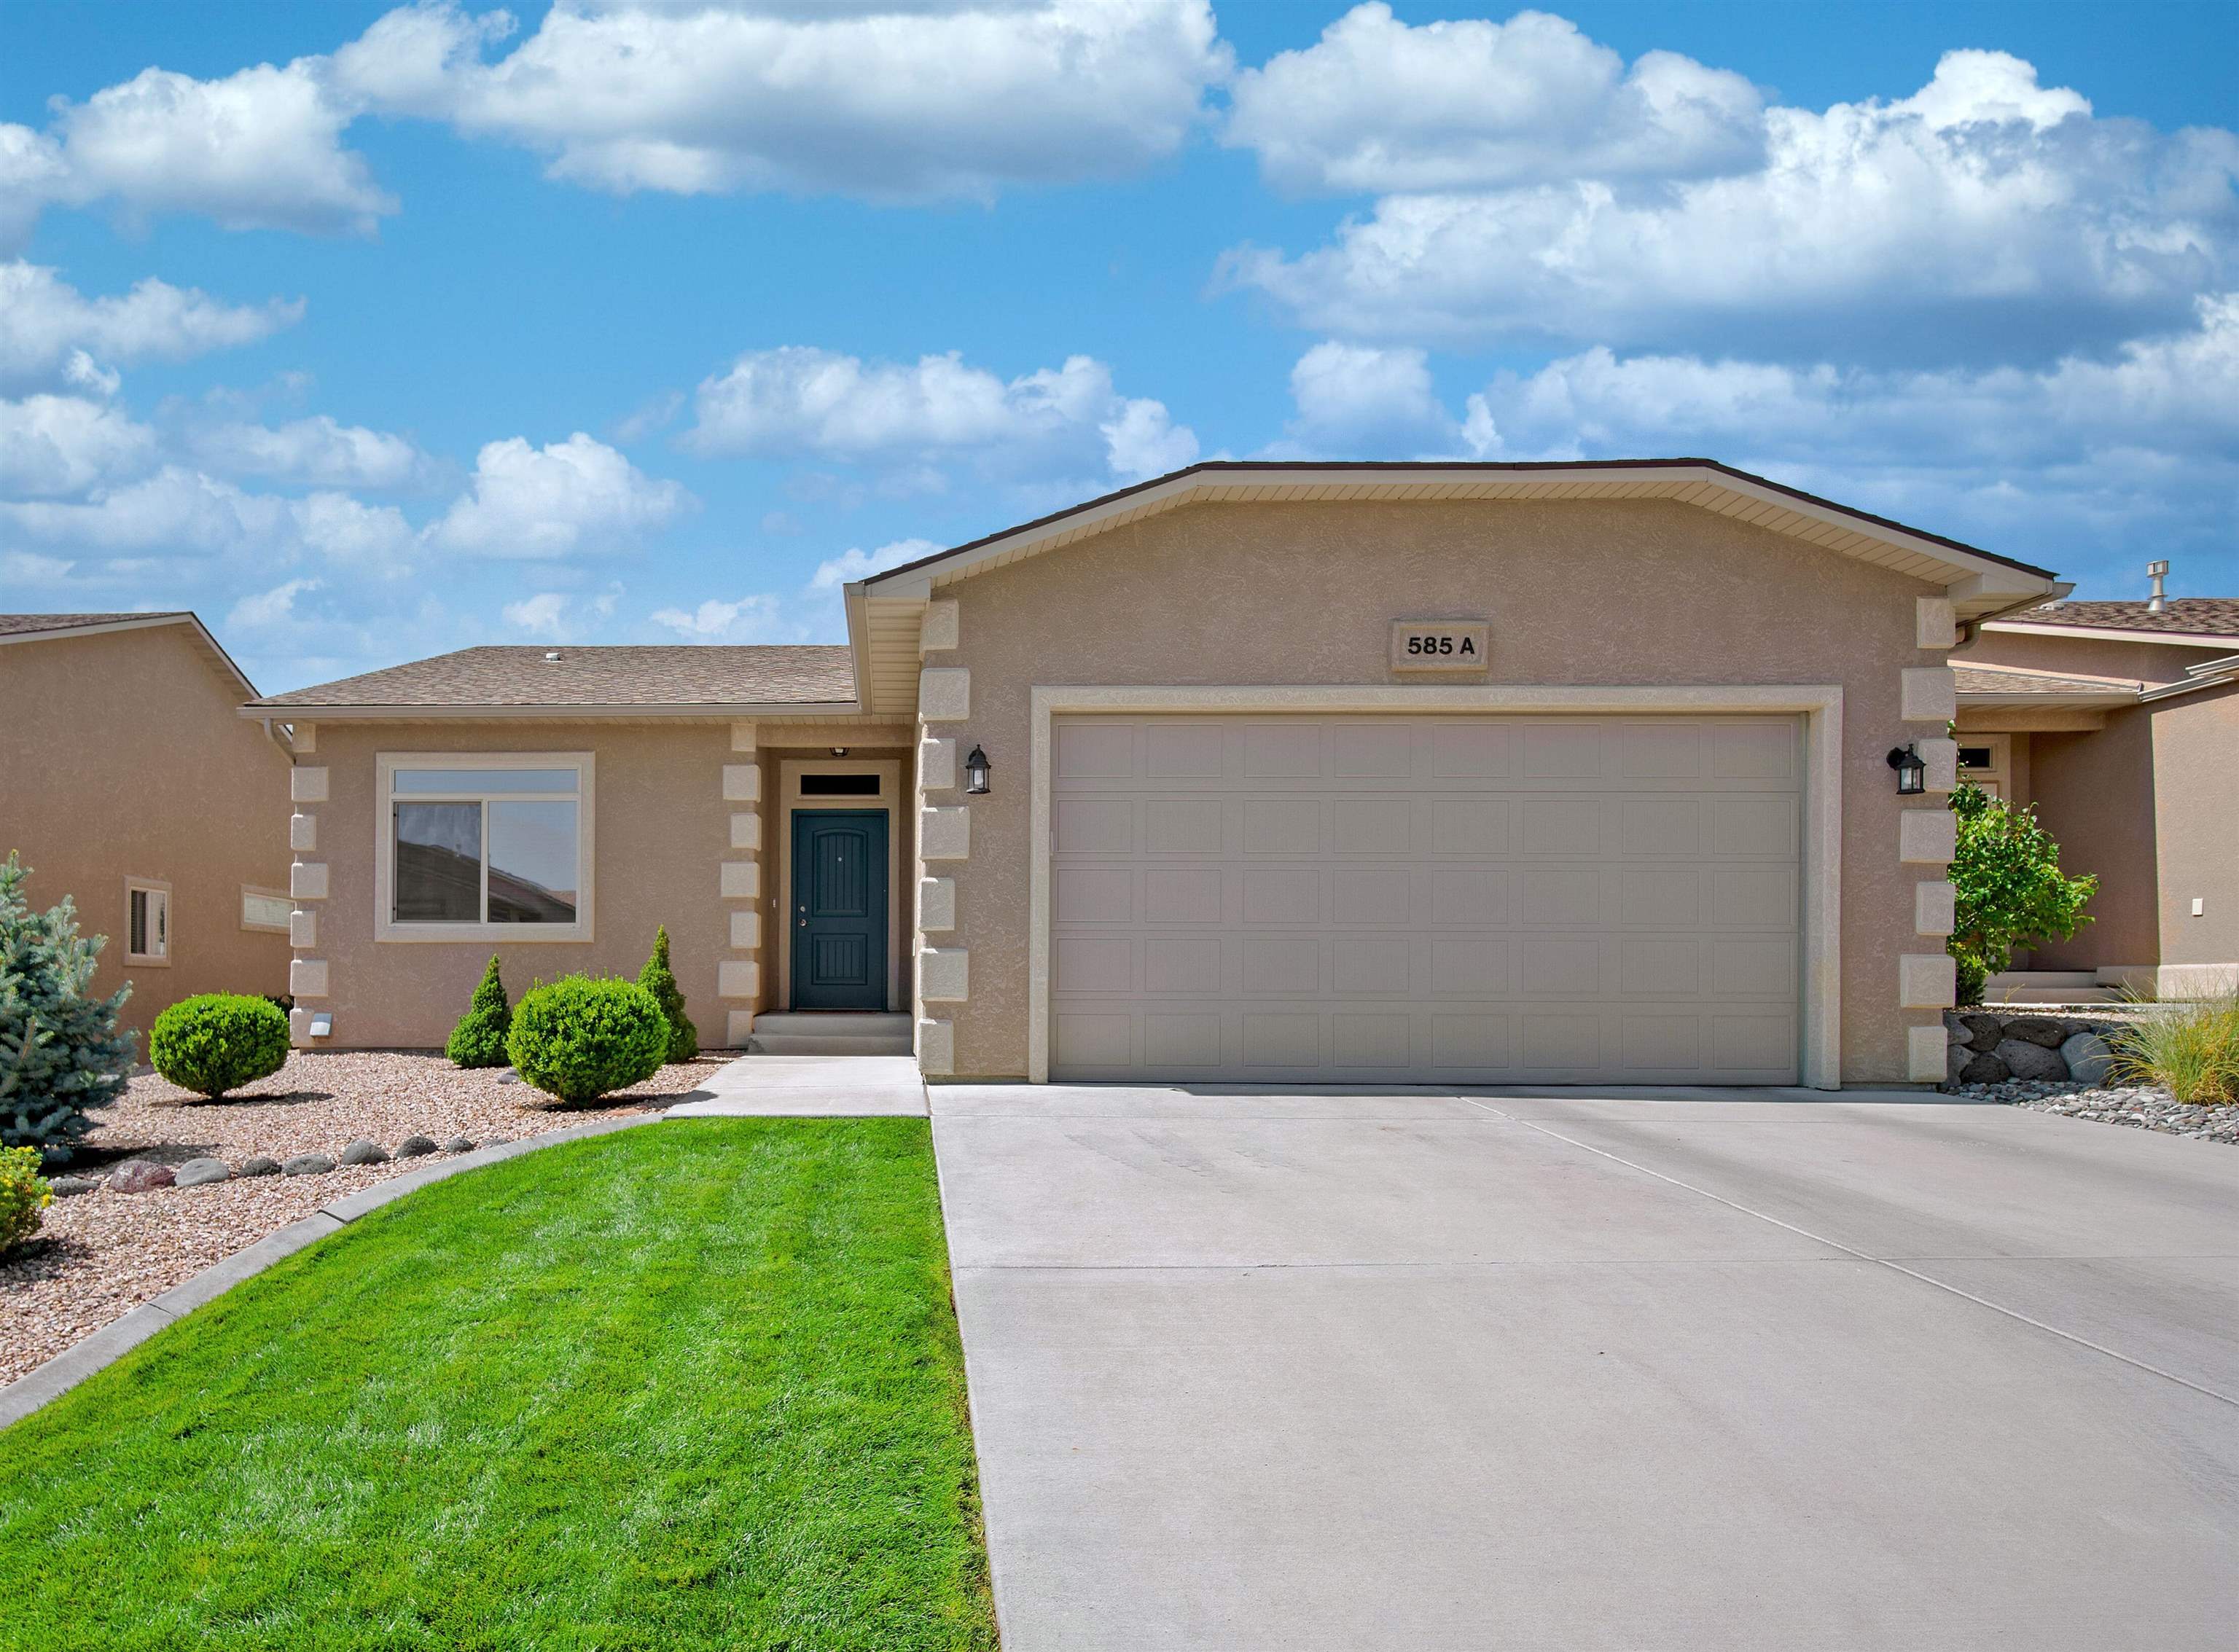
column 100, row 1254
column 2142, row 1107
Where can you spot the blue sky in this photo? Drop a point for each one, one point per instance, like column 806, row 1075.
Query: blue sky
column 369, row 332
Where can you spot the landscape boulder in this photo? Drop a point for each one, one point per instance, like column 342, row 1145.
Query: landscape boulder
column 1983, row 1031
column 69, row 1187
column 416, row 1147
column 1984, row 1070
column 2026, row 1058
column 2088, row 1060
column 259, row 1165
column 201, row 1172
column 362, row 1151
column 139, row 1174
column 2037, row 1029
column 459, row 1144
column 307, row 1165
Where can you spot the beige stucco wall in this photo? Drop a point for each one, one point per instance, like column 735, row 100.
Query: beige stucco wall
column 2153, row 662
column 662, row 833
column 1599, row 593
column 2150, row 805
column 2095, row 793
column 121, row 755
column 2197, row 806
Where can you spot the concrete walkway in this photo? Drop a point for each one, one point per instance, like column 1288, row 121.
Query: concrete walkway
column 1697, row 1368
column 795, row 1087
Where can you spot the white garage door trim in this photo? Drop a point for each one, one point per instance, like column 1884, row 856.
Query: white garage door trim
column 1820, row 705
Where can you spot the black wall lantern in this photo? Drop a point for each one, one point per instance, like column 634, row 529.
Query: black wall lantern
column 975, row 773
column 1911, row 772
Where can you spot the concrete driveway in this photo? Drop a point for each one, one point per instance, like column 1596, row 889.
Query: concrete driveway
column 1706, row 1369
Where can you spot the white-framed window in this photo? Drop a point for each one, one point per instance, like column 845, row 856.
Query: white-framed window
column 1983, row 760
column 265, row 909
column 484, row 845
column 147, row 921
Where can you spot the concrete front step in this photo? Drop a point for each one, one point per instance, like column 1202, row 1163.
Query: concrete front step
column 833, row 1024
column 822, row 1043
column 2050, row 995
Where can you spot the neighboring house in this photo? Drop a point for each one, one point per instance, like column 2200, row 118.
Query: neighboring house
column 2120, row 721
column 1311, row 773
column 127, row 783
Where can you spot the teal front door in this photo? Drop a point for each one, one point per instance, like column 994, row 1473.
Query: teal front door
column 839, row 909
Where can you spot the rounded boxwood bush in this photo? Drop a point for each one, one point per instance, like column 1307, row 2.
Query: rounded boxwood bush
column 219, row 1041
column 583, row 1037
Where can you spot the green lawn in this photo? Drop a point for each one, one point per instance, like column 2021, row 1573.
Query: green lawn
column 691, row 1385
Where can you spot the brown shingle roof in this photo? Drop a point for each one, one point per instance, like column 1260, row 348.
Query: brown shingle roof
column 670, row 676
column 2210, row 616
column 1989, row 679
column 22, row 625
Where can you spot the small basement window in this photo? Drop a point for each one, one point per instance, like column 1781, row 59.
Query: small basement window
column 261, row 909
column 147, row 922
column 838, row 786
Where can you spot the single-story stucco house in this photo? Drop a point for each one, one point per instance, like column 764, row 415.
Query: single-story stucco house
column 127, row 783
column 1273, row 773
column 2120, row 721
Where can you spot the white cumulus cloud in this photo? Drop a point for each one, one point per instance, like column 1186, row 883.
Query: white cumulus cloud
column 908, row 100
column 46, row 325
column 260, row 148
column 562, row 500
column 1377, row 106
column 1984, row 218
column 1357, row 401
column 319, row 451
column 898, row 416
column 52, row 444
column 750, row 619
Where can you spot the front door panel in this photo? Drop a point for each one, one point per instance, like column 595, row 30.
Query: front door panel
column 839, row 909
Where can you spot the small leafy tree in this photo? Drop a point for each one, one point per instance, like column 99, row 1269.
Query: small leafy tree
column 479, row 1039
column 659, row 979
column 61, row 1052
column 2008, row 888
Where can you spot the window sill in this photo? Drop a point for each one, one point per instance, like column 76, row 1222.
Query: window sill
column 533, row 934
column 135, row 960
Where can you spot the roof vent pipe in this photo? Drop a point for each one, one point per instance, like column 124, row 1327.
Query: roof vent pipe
column 2160, row 599
column 551, row 654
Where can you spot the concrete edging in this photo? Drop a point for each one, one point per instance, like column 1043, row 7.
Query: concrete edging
column 120, row 1337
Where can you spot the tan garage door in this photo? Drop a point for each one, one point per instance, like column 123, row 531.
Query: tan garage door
column 1490, row 899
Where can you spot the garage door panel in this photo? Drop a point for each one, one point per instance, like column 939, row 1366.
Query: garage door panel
column 1181, row 827
column 1485, row 900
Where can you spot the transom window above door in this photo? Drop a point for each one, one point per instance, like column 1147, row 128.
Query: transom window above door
column 485, row 845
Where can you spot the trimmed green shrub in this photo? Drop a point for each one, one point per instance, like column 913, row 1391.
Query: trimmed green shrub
column 61, row 1052
column 2007, row 887
column 23, row 1194
column 219, row 1041
column 583, row 1037
column 659, row 979
column 479, row 1039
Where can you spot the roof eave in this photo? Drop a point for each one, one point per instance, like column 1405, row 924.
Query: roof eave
column 209, row 645
column 1998, row 582
column 293, row 712
column 2110, row 633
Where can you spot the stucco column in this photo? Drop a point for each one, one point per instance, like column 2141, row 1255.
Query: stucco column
column 739, row 976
